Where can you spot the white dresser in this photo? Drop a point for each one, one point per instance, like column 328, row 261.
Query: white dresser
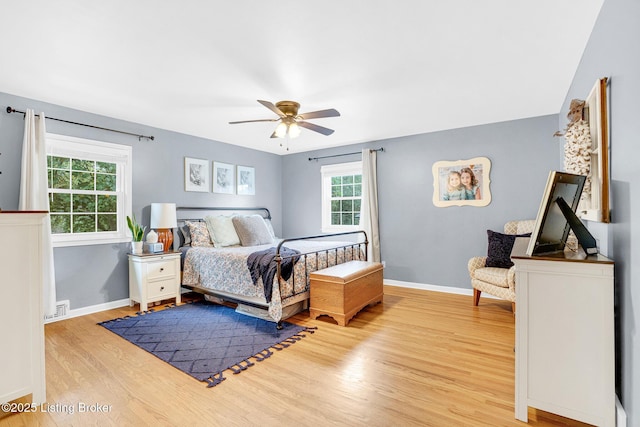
column 565, row 343
column 22, row 316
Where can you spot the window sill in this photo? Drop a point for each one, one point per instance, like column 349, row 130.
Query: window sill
column 90, row 242
column 342, row 229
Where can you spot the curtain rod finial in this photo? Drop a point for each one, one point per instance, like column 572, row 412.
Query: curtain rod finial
column 9, row 110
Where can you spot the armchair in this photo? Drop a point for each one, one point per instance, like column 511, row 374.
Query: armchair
column 497, row 281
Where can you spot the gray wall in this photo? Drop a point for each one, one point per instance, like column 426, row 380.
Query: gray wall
column 612, row 52
column 420, row 242
column 90, row 275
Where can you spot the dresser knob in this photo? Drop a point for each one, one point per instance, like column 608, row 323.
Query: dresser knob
column 162, row 288
column 161, row 269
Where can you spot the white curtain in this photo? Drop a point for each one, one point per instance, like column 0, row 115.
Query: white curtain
column 34, row 196
column 369, row 206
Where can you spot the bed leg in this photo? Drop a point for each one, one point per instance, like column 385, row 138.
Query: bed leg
column 279, row 325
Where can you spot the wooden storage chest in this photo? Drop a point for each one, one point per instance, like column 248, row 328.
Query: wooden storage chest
column 343, row 290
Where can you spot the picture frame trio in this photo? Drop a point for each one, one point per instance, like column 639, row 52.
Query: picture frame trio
column 225, row 178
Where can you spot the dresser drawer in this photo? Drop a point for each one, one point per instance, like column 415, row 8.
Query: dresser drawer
column 159, row 270
column 159, row 289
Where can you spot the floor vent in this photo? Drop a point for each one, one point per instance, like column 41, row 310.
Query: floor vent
column 62, row 311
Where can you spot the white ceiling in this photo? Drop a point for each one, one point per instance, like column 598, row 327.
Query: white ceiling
column 390, row 67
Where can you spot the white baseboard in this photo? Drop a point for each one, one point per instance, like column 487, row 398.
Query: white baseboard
column 435, row 288
column 92, row 309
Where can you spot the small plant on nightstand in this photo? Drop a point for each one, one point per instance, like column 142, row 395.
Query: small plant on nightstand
column 137, row 231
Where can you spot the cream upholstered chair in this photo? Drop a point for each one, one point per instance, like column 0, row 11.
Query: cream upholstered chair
column 497, row 281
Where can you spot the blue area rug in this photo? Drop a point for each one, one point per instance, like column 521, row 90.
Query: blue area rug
column 204, row 339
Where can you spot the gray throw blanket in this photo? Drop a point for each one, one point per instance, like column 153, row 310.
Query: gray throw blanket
column 263, row 264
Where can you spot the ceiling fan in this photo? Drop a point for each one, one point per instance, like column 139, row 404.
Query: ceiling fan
column 291, row 121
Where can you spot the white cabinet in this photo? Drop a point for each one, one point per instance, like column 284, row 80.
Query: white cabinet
column 565, row 344
column 154, row 277
column 21, row 317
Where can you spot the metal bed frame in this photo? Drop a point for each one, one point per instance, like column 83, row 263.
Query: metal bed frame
column 279, row 259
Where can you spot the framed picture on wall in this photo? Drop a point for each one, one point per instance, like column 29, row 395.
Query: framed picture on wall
column 461, row 182
column 223, row 178
column 597, row 116
column 196, row 174
column 246, row 180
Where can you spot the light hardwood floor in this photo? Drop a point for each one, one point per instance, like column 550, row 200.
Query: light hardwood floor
column 419, row 358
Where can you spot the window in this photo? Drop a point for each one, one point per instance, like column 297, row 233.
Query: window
column 89, row 190
column 341, row 196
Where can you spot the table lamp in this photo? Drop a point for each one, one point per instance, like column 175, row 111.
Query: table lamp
column 163, row 219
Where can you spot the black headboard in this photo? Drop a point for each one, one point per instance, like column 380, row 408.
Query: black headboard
column 197, row 213
column 185, row 213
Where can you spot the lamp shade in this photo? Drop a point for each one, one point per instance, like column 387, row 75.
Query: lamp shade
column 281, row 130
column 163, row 215
column 294, row 130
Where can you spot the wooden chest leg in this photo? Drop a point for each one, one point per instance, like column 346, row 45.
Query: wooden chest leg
column 342, row 321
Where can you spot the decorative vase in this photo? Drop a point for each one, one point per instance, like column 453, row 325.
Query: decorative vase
column 152, row 237
column 136, row 247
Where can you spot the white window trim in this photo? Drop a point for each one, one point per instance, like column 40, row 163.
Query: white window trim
column 70, row 146
column 327, row 171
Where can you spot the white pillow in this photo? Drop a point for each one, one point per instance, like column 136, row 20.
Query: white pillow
column 222, row 231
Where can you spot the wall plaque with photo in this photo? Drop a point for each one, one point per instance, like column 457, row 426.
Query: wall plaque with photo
column 461, row 182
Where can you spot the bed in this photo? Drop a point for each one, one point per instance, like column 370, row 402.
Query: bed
column 221, row 272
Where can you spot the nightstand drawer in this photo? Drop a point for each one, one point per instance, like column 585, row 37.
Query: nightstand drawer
column 164, row 288
column 160, row 270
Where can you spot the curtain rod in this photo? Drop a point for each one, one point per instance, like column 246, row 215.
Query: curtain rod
column 345, row 154
column 12, row 110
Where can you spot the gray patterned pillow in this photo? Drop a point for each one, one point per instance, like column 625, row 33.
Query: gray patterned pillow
column 252, row 230
column 185, row 237
column 199, row 234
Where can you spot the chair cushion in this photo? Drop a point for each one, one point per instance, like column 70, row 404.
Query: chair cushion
column 497, row 291
column 494, row 275
column 499, row 248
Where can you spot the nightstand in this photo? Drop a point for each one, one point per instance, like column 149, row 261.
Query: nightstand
column 154, row 277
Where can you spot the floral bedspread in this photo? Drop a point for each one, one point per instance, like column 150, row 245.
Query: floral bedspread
column 225, row 269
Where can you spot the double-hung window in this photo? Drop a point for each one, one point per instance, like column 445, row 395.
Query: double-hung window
column 341, row 196
column 89, row 190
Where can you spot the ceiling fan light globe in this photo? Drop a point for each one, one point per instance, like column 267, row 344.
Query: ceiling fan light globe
column 294, row 130
column 281, row 130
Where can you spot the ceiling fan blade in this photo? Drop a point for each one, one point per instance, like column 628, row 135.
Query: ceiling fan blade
column 319, row 114
column 272, row 107
column 320, row 129
column 252, row 121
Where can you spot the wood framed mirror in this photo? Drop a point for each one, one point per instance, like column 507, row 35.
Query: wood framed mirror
column 596, row 114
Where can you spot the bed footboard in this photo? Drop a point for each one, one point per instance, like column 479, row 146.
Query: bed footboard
column 332, row 256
